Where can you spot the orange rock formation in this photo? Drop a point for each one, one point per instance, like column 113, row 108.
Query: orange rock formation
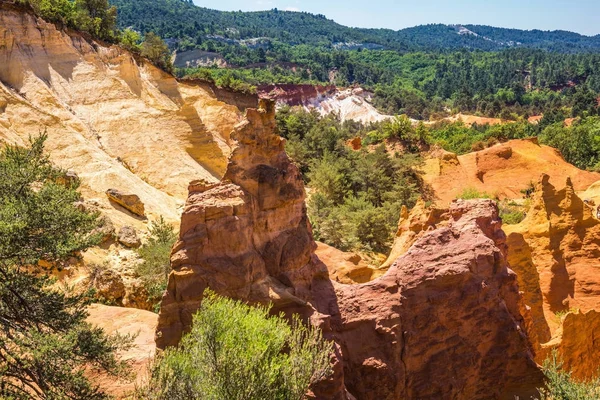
column 555, row 252
column 502, row 170
column 443, row 322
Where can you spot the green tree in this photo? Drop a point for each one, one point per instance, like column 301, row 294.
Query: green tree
column 237, row 352
column 156, row 51
column 156, row 265
column 97, row 17
column 329, row 176
column 45, row 343
column 130, row 40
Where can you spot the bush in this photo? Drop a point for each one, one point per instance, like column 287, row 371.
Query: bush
column 472, row 193
column 130, row 40
column 239, row 352
column 97, row 17
column 156, row 256
column 561, row 386
column 513, row 213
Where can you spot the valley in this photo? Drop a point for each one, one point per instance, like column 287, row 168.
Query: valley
column 444, row 244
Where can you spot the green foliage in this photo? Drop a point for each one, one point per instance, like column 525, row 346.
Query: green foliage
column 156, row 256
column 472, row 193
column 560, row 385
column 512, row 213
column 182, row 20
column 579, row 143
column 45, row 343
column 356, row 195
column 156, row 51
column 239, row 352
column 563, row 313
column 417, row 71
column 131, row 40
column 96, row 17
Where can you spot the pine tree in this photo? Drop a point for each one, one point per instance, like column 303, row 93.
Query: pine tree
column 45, row 343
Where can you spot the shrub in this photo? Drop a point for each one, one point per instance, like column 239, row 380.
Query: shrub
column 513, row 213
column 560, row 385
column 472, row 193
column 239, row 352
column 130, row 40
column 156, row 256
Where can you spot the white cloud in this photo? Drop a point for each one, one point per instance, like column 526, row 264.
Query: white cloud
column 292, row 9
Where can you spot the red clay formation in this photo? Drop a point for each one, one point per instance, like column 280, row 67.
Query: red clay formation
column 443, row 323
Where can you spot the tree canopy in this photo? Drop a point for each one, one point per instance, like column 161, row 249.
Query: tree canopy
column 45, row 343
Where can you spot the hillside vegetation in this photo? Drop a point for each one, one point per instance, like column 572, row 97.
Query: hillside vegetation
column 425, row 72
column 181, row 19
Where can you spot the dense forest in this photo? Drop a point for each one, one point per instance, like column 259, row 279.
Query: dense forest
column 182, row 20
column 424, row 72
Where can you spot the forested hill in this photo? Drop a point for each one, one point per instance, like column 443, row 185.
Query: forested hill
column 182, row 20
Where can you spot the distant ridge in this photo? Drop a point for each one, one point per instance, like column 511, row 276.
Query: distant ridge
column 182, row 20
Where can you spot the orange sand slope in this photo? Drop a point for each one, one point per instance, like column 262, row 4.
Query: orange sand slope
column 502, row 170
column 126, row 321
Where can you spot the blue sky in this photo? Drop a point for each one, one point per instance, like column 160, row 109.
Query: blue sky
column 581, row 16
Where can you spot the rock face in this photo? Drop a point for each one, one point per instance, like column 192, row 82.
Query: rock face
column 443, row 322
column 502, row 170
column 348, row 268
column 114, row 119
column 349, row 104
column 555, row 252
column 412, row 226
column 577, row 344
column 131, row 202
column 247, row 237
column 295, row 95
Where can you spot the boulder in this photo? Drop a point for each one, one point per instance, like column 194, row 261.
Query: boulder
column 128, row 237
column 69, row 179
column 131, row 202
column 106, row 230
column 108, row 284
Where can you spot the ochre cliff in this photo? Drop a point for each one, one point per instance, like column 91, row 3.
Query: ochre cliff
column 443, row 322
column 502, row 171
column 114, row 119
column 117, row 122
column 555, row 252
